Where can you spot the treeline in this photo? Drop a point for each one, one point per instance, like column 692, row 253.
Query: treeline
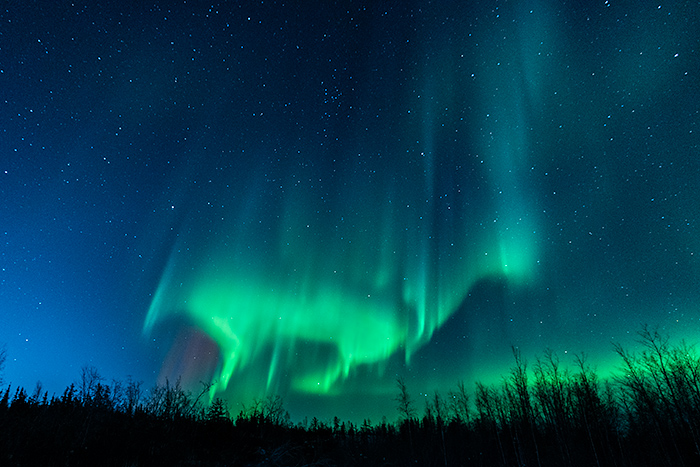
column 541, row 414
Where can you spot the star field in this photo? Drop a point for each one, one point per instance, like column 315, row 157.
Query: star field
column 313, row 199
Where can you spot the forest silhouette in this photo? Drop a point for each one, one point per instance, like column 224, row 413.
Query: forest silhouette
column 540, row 414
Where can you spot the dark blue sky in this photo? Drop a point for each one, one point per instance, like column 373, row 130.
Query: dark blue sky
column 313, row 199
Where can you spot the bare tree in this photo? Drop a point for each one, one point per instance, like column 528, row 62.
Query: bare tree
column 439, row 406
column 170, row 401
column 489, row 413
column 37, row 391
column 90, row 378
column 519, row 398
column 117, row 399
column 405, row 404
column 133, row 395
column 459, row 403
column 253, row 411
column 405, row 407
column 269, row 410
column 273, row 410
column 3, row 359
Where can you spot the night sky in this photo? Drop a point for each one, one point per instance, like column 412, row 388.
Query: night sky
column 313, row 198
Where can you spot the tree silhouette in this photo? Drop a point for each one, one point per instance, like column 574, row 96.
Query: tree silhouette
column 459, row 403
column 3, row 359
column 547, row 415
column 218, row 411
column 405, row 405
column 89, row 380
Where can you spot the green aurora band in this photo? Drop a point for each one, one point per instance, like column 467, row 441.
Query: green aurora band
column 343, row 268
column 323, row 299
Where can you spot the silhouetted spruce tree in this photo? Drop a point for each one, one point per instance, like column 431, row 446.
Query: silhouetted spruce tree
column 217, row 410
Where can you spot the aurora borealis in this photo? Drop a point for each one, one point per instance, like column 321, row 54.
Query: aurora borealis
column 313, row 199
